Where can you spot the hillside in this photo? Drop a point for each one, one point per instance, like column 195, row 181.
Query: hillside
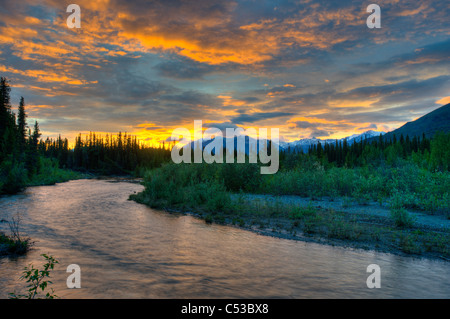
column 437, row 120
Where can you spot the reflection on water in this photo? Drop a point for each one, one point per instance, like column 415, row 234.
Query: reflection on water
column 127, row 250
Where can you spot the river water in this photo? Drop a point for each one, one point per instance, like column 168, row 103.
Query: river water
column 127, row 250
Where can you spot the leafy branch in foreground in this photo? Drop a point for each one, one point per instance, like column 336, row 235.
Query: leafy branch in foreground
column 37, row 280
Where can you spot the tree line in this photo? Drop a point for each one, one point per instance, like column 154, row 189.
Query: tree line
column 429, row 153
column 110, row 154
column 23, row 154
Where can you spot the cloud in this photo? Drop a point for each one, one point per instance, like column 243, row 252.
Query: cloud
column 192, row 98
column 303, row 124
column 221, row 126
column 444, row 100
column 369, row 127
column 258, row 116
column 185, row 69
column 170, row 62
column 319, row 134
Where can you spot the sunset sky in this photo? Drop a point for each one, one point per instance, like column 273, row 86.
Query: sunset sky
column 309, row 68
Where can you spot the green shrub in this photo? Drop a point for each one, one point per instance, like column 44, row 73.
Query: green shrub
column 343, row 230
column 186, row 187
column 408, row 244
column 401, row 217
column 38, row 280
column 13, row 176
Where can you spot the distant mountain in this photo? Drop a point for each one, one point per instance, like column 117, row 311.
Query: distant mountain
column 304, row 144
column 437, row 120
column 249, row 142
column 363, row 136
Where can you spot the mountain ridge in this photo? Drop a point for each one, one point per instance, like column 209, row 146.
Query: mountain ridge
column 428, row 124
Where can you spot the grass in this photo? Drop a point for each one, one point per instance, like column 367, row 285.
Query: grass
column 417, row 188
column 14, row 177
column 201, row 190
column 408, row 184
column 51, row 174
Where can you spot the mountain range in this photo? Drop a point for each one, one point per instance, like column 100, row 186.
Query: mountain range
column 306, row 143
column 429, row 124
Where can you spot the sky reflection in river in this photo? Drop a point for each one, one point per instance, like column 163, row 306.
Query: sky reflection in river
column 127, row 250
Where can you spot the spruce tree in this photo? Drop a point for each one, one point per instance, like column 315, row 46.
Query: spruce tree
column 22, row 124
column 5, row 118
column 35, row 137
column 5, row 105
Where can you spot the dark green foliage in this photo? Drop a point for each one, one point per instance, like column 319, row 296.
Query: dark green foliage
column 18, row 152
column 185, row 186
column 440, row 152
column 240, row 176
column 5, row 109
column 15, row 243
column 373, row 153
column 22, row 125
column 25, row 159
column 13, row 176
column 120, row 154
column 12, row 246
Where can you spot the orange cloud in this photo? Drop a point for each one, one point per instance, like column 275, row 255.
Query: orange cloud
column 229, row 101
column 443, row 101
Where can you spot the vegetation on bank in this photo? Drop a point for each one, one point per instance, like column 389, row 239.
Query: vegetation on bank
column 15, row 243
column 28, row 160
column 407, row 183
column 191, row 189
column 403, row 174
column 415, row 181
column 11, row 246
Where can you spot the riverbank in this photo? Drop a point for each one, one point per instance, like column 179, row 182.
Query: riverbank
column 153, row 254
column 340, row 223
column 13, row 244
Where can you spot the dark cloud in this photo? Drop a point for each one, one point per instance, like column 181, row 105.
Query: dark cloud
column 255, row 117
column 369, row 127
column 221, row 126
column 250, row 99
column 193, row 98
column 166, row 62
column 185, row 69
column 319, row 133
column 304, row 124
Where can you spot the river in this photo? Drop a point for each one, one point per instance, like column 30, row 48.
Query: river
column 127, row 250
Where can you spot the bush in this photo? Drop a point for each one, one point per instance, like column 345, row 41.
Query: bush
column 185, row 186
column 13, row 176
column 240, row 176
column 401, row 217
column 11, row 246
column 50, row 173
